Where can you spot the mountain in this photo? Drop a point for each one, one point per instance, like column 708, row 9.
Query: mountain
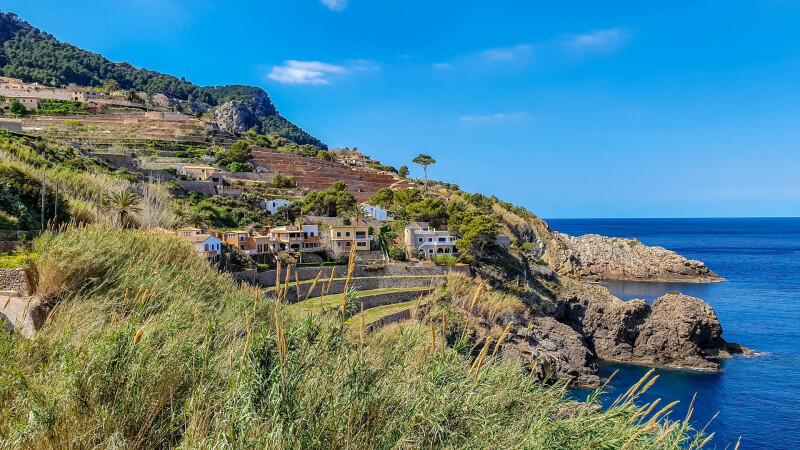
column 35, row 56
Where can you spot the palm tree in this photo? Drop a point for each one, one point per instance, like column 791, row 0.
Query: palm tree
column 197, row 219
column 357, row 213
column 123, row 205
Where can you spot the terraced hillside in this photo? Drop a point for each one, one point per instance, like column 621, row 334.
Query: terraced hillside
column 316, row 174
column 393, row 289
column 118, row 127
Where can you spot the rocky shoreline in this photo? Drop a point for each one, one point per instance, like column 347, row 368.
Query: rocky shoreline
column 593, row 257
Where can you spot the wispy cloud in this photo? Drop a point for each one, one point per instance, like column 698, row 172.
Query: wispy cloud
column 304, row 72
column 335, row 5
column 599, row 40
column 506, row 53
column 443, row 66
column 498, row 117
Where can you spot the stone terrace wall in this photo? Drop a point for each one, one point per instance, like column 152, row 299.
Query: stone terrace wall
column 15, row 280
column 318, row 175
column 267, row 278
column 364, row 284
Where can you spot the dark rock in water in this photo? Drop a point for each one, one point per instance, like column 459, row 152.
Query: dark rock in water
column 677, row 330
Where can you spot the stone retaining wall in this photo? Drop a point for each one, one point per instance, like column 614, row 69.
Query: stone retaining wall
column 390, row 319
column 267, row 278
column 362, row 284
column 16, row 280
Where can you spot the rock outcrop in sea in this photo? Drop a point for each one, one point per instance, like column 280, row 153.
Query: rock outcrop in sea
column 594, row 258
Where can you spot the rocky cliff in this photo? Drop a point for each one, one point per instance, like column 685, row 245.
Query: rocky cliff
column 593, row 258
column 241, row 115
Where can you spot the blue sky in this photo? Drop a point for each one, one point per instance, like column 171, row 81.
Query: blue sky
column 572, row 109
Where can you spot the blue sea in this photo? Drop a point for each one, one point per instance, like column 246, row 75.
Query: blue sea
column 757, row 397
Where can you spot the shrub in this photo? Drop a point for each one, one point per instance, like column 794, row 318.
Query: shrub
column 397, row 254
column 445, row 260
column 527, row 246
column 75, row 123
column 541, row 262
column 182, row 154
column 282, row 181
column 240, row 167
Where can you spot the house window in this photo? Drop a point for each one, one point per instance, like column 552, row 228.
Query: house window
column 338, row 234
column 206, row 247
column 430, row 239
column 430, row 251
column 420, row 239
column 347, row 233
column 441, row 239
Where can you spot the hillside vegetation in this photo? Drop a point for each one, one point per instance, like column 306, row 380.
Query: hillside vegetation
column 36, row 56
column 147, row 347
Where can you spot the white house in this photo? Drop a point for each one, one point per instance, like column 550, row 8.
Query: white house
column 376, row 212
column 206, row 244
column 421, row 238
column 273, row 205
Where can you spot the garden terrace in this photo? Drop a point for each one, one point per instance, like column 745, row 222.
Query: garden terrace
column 119, row 126
column 316, row 174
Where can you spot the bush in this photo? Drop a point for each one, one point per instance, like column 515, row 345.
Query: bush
column 527, row 246
column 240, row 167
column 182, row 154
column 282, row 181
column 53, row 106
column 445, row 260
column 397, row 254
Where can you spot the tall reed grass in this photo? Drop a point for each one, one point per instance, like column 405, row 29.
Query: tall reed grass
column 148, row 347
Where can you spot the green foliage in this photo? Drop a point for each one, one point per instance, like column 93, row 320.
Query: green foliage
column 240, row 167
column 403, row 172
column 336, row 200
column 110, row 86
column 14, row 214
column 541, row 262
column 326, row 155
column 431, row 210
column 397, row 254
column 16, row 108
column 476, row 234
column 53, row 106
column 22, row 199
column 17, row 260
column 240, row 152
column 384, row 198
column 445, row 260
column 383, row 167
column 284, row 128
column 282, row 181
column 527, row 246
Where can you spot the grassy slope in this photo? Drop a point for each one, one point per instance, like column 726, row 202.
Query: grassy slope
column 149, row 347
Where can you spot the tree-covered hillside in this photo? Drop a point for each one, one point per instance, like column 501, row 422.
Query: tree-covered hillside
column 35, row 56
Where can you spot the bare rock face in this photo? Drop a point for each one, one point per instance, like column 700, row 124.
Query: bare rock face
column 677, row 330
column 593, row 257
column 241, row 115
column 628, row 259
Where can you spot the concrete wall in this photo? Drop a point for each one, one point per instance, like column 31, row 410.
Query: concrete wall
column 267, row 278
column 15, row 280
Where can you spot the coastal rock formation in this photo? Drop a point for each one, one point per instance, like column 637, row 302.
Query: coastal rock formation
column 593, row 258
column 678, row 330
column 559, row 350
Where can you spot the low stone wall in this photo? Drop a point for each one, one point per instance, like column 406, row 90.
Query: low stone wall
column 391, row 298
column 267, row 278
column 390, row 319
column 15, row 280
column 362, row 284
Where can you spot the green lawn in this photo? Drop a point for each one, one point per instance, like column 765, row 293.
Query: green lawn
column 330, row 301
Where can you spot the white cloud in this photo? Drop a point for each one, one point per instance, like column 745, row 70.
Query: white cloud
column 499, row 117
column 506, row 53
column 335, row 5
column 304, row 72
column 596, row 40
column 442, row 66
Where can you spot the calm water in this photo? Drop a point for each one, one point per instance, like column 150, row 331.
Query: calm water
column 757, row 397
